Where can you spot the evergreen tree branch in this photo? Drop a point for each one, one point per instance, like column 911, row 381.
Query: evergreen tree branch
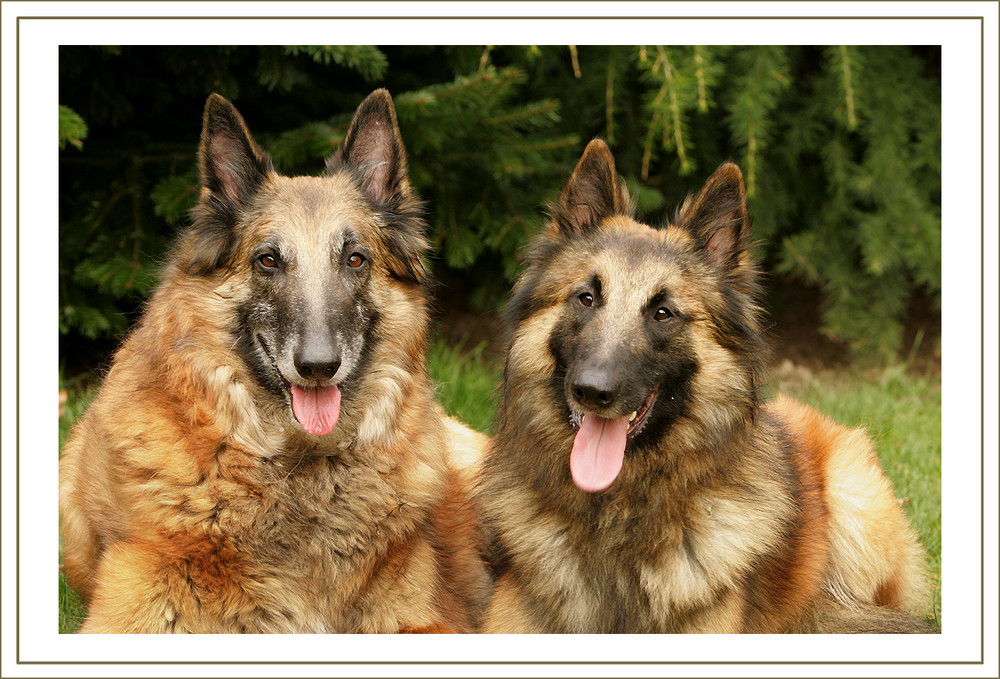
column 675, row 109
column 72, row 128
column 699, row 74
column 484, row 60
column 647, row 147
column 852, row 120
column 527, row 114
column 576, row 61
column 609, row 102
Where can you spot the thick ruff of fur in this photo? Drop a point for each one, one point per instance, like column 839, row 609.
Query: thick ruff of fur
column 193, row 501
column 636, row 483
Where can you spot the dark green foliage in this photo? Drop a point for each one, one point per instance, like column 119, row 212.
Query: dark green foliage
column 479, row 157
column 72, row 128
column 873, row 233
column 840, row 147
column 174, row 196
column 367, row 60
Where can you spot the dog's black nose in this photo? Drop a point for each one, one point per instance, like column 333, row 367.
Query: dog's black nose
column 594, row 389
column 313, row 367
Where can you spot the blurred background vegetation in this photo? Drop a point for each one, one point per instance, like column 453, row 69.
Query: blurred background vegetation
column 841, row 148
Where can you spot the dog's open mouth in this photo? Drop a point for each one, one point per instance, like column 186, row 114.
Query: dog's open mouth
column 636, row 420
column 316, row 408
column 599, row 447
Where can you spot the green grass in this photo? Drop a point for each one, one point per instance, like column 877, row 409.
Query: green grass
column 72, row 610
column 79, row 394
column 466, row 382
column 901, row 412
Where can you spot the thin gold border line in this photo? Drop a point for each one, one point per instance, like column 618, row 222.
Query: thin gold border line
column 492, row 17
column 17, row 342
column 982, row 338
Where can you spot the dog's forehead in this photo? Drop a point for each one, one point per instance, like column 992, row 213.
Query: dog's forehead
column 633, row 258
column 314, row 210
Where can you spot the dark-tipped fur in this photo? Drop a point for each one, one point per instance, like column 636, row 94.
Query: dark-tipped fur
column 233, row 169
column 727, row 514
column 372, row 152
column 265, row 454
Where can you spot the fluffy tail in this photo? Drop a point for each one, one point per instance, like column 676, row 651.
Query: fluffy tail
column 832, row 617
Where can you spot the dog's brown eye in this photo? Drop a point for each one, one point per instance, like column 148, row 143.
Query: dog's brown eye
column 268, row 261
column 663, row 314
column 586, row 299
column 355, row 260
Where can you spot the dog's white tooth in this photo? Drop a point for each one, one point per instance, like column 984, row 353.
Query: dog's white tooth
column 631, row 418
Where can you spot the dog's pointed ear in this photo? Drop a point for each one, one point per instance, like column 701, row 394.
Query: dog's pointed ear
column 373, row 148
column 373, row 153
column 233, row 169
column 717, row 218
column 592, row 193
column 233, row 166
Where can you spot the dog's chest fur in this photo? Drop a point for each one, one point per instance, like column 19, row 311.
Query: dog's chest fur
column 307, row 540
column 313, row 545
column 630, row 571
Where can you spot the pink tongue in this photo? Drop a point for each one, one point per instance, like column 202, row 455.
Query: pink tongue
column 316, row 408
column 598, row 452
